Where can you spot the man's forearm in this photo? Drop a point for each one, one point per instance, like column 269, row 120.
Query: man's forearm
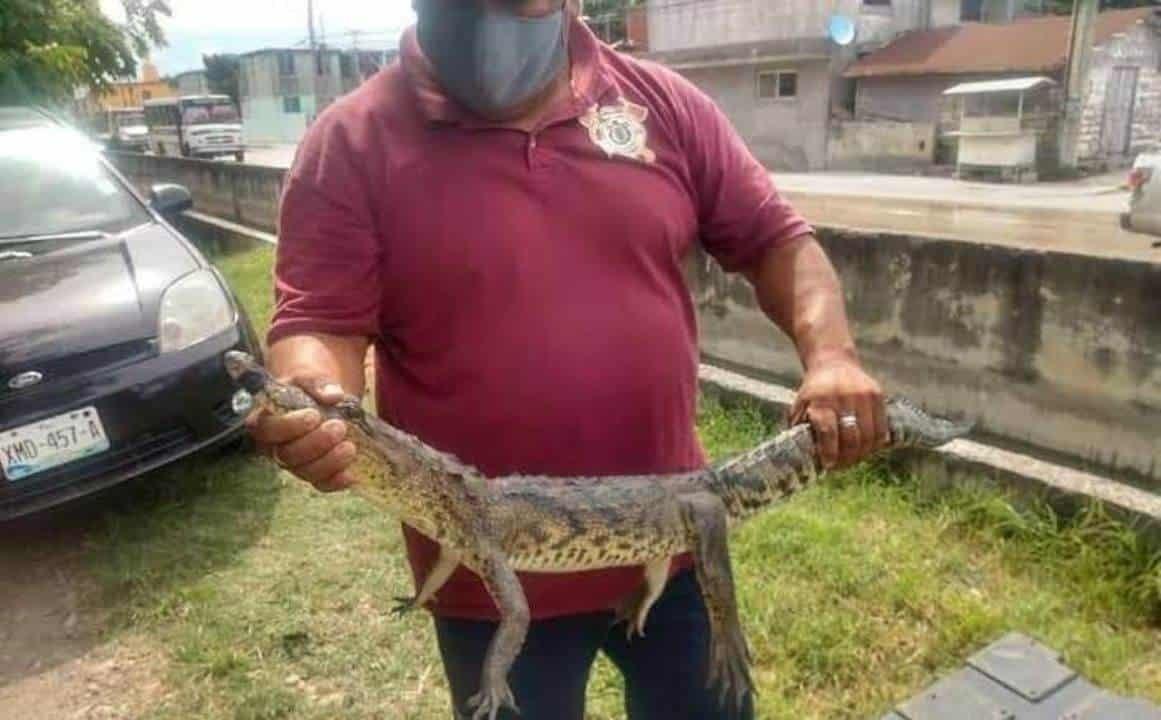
column 797, row 287
column 335, row 357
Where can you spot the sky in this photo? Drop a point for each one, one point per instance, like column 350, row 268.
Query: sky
column 211, row 26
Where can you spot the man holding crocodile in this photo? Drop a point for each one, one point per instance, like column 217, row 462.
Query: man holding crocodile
column 504, row 214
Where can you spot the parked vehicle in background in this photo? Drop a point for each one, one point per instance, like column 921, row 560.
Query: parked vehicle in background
column 114, row 325
column 1144, row 213
column 122, row 129
column 200, row 126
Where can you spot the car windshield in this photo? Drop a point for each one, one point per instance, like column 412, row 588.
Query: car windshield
column 52, row 182
column 206, row 114
column 130, row 119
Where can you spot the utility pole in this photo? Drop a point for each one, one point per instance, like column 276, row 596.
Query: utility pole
column 1080, row 42
column 313, row 57
column 310, row 22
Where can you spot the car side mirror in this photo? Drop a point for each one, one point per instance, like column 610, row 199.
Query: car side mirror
column 170, row 200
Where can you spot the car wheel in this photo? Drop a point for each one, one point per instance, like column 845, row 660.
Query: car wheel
column 184, row 150
column 240, row 156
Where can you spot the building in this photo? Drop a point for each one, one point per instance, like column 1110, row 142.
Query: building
column 776, row 72
column 132, row 93
column 905, row 80
column 772, row 67
column 282, row 90
column 191, row 82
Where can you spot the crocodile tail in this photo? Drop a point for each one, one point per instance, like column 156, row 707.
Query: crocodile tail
column 780, row 467
column 912, row 427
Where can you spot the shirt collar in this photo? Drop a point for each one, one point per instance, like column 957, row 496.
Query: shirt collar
column 589, row 78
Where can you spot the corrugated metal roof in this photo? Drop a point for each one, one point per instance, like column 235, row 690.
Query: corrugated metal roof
column 989, row 86
column 1032, row 45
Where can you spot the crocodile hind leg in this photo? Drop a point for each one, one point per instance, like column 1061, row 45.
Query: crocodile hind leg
column 447, row 563
column 635, row 609
column 704, row 517
column 500, row 579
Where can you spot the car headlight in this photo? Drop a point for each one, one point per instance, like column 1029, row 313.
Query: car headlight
column 193, row 309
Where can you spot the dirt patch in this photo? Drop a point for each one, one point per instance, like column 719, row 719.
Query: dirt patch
column 54, row 662
column 115, row 681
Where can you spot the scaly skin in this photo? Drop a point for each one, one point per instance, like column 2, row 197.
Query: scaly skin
column 496, row 527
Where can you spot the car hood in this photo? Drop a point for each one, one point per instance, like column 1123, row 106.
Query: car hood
column 74, row 297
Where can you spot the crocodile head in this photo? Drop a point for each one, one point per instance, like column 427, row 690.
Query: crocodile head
column 246, row 372
column 276, row 397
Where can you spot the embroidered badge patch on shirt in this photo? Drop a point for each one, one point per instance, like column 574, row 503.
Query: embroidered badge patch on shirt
column 620, row 130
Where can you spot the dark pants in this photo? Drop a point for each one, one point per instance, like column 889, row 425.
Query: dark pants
column 665, row 671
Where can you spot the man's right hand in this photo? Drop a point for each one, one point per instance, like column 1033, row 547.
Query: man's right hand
column 316, row 451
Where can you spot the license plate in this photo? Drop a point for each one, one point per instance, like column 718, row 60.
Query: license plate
column 54, row 441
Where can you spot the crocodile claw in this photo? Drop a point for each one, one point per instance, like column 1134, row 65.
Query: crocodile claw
column 628, row 613
column 403, row 606
column 492, row 698
column 729, row 668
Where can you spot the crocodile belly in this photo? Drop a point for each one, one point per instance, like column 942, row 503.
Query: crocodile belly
column 594, row 549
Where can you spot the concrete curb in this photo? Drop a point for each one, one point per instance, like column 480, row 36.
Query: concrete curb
column 970, row 462
column 230, row 235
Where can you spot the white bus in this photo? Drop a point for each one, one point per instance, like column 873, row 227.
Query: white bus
column 202, row 126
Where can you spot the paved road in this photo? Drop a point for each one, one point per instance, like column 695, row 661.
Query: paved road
column 1099, row 193
column 271, row 155
column 1080, row 231
column 1079, row 216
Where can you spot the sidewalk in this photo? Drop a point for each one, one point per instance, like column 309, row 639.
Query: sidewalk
column 1101, row 193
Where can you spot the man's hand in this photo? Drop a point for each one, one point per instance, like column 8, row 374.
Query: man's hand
column 798, row 289
column 313, row 450
column 846, row 408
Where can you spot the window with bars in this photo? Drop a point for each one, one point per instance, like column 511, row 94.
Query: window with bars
column 777, row 84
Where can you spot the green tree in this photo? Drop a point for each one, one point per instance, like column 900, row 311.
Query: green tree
column 50, row 47
column 222, row 74
column 607, row 17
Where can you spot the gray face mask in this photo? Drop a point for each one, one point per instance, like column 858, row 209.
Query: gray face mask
column 490, row 61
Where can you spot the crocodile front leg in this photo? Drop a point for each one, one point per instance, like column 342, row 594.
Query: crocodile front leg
column 704, row 517
column 635, row 609
column 501, row 581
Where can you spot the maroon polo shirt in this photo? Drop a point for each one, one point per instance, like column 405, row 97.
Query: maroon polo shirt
column 524, row 290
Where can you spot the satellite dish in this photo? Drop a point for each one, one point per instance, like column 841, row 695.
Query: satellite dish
column 841, row 29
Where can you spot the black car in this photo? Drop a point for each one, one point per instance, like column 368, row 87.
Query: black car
column 112, row 325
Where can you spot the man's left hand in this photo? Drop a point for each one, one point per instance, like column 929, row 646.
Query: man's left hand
column 845, row 406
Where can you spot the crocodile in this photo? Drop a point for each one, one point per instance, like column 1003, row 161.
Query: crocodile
column 498, row 526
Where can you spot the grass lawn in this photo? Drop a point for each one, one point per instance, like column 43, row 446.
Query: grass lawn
column 266, row 600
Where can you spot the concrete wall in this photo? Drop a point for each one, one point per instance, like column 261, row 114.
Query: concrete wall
column 912, row 99
column 266, row 121
column 1054, row 351
column 785, row 134
column 679, row 24
column 246, row 194
column 1059, row 352
column 262, row 90
column 880, row 146
column 945, row 12
column 1140, row 48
